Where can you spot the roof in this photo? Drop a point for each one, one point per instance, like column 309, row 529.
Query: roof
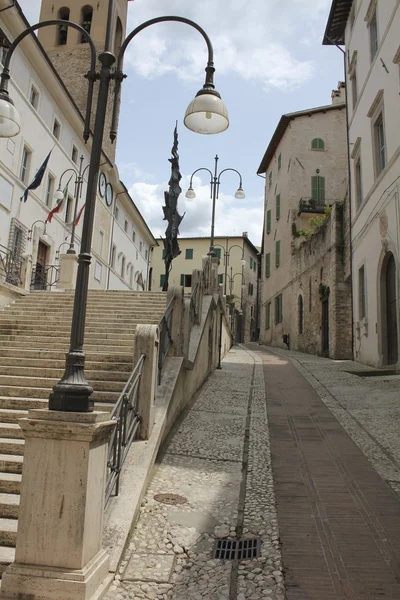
column 283, row 125
column 220, row 237
column 337, row 20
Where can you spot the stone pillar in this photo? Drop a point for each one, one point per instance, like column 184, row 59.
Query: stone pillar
column 197, row 280
column 68, row 270
column 26, row 272
column 147, row 343
column 59, row 552
column 176, row 292
column 186, row 328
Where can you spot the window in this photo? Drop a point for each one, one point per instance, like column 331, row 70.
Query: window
column 268, row 265
column 251, row 262
column 126, row 226
column 146, row 254
column 68, row 210
column 86, row 21
column 74, row 154
column 358, row 182
column 34, row 97
column 186, row 280
column 354, row 90
column 162, row 280
column 62, row 30
column 122, row 266
column 56, row 129
column 268, row 316
column 251, row 289
column 268, row 221
column 270, row 179
column 134, row 236
column 379, row 144
column 278, row 309
column 218, row 253
column 278, row 207
column 50, row 190
column 116, row 213
column 361, row 293
column 220, row 279
column 279, row 162
column 373, row 35
column 277, row 253
column 25, row 164
column 113, row 253
column 300, row 314
column 254, row 265
column 317, row 144
column 101, row 242
column 189, row 253
column 140, row 246
column 164, row 254
column 318, row 189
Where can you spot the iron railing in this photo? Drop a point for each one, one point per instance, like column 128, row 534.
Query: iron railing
column 313, row 205
column 165, row 326
column 126, row 414
column 45, row 277
column 10, row 266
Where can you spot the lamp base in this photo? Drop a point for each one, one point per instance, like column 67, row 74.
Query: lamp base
column 72, row 393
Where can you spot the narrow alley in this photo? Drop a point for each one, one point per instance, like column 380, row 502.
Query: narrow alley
column 291, row 452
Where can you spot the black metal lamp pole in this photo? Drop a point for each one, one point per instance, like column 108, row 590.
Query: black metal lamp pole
column 73, row 392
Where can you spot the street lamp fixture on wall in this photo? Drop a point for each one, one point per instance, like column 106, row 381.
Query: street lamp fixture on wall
column 214, row 187
column 205, row 114
column 30, row 231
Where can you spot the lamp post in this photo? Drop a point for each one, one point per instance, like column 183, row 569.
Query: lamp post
column 59, row 195
column 30, row 231
column 205, row 114
column 214, row 187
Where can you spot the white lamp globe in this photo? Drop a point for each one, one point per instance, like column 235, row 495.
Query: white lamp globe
column 206, row 114
column 9, row 118
column 59, row 195
column 243, row 262
column 240, row 195
column 190, row 193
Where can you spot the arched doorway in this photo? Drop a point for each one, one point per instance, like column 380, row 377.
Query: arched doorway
column 389, row 313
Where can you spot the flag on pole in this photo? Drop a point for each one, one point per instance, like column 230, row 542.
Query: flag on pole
column 37, row 179
column 59, row 204
column 78, row 216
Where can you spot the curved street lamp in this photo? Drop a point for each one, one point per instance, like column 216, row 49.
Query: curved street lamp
column 214, row 186
column 205, row 114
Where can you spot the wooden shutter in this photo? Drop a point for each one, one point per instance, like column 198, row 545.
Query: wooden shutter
column 278, row 207
column 267, row 265
column 277, row 253
column 182, row 279
column 268, row 221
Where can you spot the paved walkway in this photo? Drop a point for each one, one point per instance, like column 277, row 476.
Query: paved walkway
column 328, row 524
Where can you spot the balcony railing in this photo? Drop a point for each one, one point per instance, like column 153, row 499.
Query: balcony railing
column 45, row 277
column 312, row 205
column 10, row 266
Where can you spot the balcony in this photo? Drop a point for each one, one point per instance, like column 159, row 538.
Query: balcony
column 312, row 205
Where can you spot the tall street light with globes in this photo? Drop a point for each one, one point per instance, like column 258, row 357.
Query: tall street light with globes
column 205, row 114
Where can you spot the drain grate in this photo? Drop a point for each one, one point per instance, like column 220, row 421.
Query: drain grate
column 171, row 499
column 237, row 549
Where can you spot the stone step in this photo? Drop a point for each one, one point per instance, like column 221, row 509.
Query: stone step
column 112, row 333
column 47, row 382
column 11, row 430
column 63, row 346
column 9, row 362
column 9, row 506
column 10, row 483
column 107, row 320
column 108, row 339
column 91, row 375
column 38, row 353
column 11, row 464
column 26, row 404
column 8, row 532
column 12, row 446
column 10, row 415
column 7, row 556
column 43, row 393
column 56, row 329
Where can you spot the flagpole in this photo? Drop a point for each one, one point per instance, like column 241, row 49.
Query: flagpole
column 78, row 188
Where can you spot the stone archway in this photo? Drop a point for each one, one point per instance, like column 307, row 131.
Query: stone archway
column 389, row 303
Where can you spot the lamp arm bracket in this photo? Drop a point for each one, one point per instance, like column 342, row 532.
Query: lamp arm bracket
column 230, row 169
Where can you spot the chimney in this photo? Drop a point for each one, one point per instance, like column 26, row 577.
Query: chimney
column 339, row 96
column 245, row 234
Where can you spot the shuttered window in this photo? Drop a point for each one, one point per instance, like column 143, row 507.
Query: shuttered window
column 277, row 253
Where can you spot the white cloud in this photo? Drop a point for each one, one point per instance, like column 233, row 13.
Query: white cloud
column 254, row 40
column 230, row 214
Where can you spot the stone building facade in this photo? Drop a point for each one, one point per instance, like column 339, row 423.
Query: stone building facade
column 305, row 274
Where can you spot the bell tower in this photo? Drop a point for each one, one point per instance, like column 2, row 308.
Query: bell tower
column 69, row 51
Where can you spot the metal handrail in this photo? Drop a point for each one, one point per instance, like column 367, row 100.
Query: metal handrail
column 125, row 413
column 165, row 326
column 10, row 266
column 44, row 278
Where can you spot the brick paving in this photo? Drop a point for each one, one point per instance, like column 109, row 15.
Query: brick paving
column 339, row 521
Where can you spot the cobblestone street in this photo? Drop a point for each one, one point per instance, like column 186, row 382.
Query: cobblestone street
column 328, row 522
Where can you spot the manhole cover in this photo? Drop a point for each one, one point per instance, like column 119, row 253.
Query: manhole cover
column 170, row 499
column 237, row 549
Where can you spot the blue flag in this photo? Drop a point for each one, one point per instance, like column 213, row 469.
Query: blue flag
column 38, row 178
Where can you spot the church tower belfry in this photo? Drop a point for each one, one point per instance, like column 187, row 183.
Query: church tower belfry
column 69, row 52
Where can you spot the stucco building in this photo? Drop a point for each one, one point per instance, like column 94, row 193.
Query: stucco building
column 239, row 281
column 51, row 120
column 369, row 29
column 305, row 293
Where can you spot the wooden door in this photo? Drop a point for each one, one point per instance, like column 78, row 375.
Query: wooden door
column 39, row 282
column 391, row 312
column 325, row 327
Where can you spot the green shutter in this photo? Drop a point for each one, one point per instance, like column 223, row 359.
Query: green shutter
column 269, row 221
column 322, row 190
column 217, row 252
column 164, row 253
column 162, row 280
column 317, row 144
column 270, row 178
column 278, row 207
column 318, row 189
column 277, row 253
column 268, row 316
column 220, row 279
column 279, row 161
column 189, row 253
column 251, row 262
column 182, row 279
column 267, row 265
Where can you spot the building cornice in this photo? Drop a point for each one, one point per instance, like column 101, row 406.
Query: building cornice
column 337, row 21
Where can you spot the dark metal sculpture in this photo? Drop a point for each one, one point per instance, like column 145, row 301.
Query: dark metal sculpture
column 171, row 246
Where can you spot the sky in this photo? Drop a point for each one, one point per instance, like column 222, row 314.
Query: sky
column 269, row 61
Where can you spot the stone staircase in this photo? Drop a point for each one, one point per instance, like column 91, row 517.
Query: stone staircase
column 34, row 337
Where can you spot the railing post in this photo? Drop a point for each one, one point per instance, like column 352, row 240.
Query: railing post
column 210, row 270
column 176, row 292
column 186, row 328
column 147, row 343
column 198, row 280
